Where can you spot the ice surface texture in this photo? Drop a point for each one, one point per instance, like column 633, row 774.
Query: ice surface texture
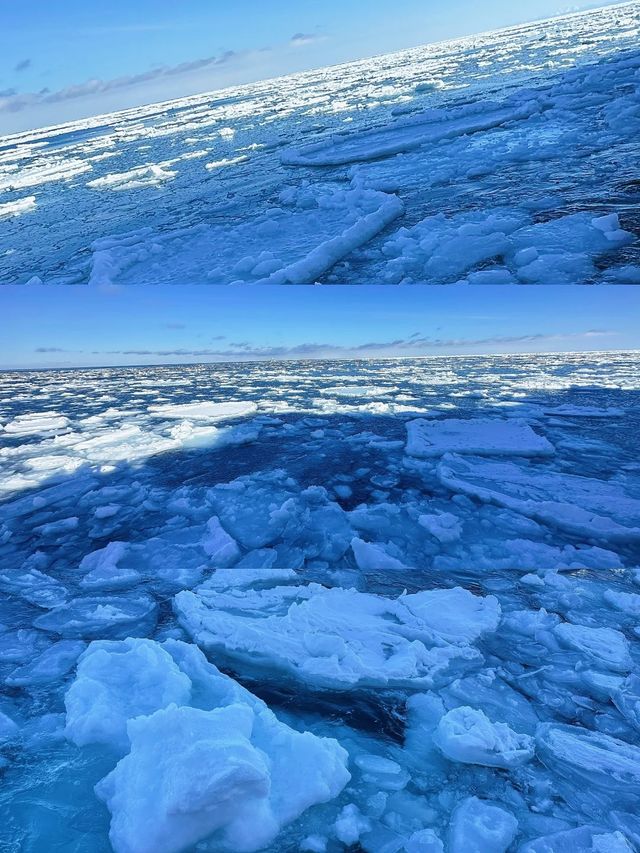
column 429, row 644
column 340, row 639
column 493, row 158
column 227, row 767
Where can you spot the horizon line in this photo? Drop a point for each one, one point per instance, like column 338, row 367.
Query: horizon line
column 299, row 360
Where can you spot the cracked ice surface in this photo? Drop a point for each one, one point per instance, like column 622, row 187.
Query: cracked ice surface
column 400, row 168
column 347, row 608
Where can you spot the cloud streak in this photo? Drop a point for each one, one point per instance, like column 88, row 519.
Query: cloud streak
column 14, row 102
column 304, row 39
column 416, row 344
column 96, row 86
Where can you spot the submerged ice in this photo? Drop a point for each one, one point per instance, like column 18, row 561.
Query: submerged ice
column 507, row 157
column 389, row 606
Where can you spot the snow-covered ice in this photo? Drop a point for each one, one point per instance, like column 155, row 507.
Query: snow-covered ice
column 504, row 157
column 228, row 768
column 301, row 606
column 476, row 437
column 341, row 639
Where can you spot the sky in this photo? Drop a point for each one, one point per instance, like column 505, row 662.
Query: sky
column 86, row 326
column 71, row 59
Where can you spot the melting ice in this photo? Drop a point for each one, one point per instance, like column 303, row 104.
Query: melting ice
column 383, row 606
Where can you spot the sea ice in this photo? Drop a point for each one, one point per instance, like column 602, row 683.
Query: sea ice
column 140, row 177
column 100, row 616
column 306, row 236
column 468, row 736
column 206, row 411
column 476, row 437
column 228, row 767
column 600, row 646
column 102, row 569
column 592, row 508
column 51, row 665
column 402, row 136
column 338, row 638
column 481, row 827
column 593, row 772
column 15, row 208
column 37, row 422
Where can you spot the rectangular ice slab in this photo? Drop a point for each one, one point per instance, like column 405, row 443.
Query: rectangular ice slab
column 481, row 437
column 597, row 509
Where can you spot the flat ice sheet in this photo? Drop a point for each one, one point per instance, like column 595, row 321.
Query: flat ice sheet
column 333, row 638
column 427, row 439
column 593, row 508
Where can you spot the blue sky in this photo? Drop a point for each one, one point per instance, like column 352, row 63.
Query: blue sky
column 75, row 326
column 69, row 58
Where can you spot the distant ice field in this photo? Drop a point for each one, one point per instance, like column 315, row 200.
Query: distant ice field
column 391, row 606
column 507, row 157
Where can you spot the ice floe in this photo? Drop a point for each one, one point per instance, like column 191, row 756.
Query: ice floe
column 16, row 208
column 296, row 242
column 593, row 508
column 335, row 638
column 228, row 769
column 476, row 437
column 143, row 176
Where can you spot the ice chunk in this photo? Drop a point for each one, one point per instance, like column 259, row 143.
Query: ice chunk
column 627, row 602
column 480, row 436
column 443, row 526
column 385, row 774
column 207, row 778
column 592, row 771
column 468, row 736
column 596, row 509
column 152, row 175
column 350, row 825
column 400, row 137
column 567, row 410
column 33, row 586
column 455, row 614
column 103, row 571
column 611, row 842
column 339, row 638
column 22, row 645
column 424, row 841
column 15, row 208
column 372, row 556
column 37, row 422
column 205, row 411
column 626, row 698
column 481, row 827
column 116, row 682
column 218, row 545
column 584, row 839
column 95, row 617
column 228, row 768
column 489, row 693
column 601, row 646
column 51, row 665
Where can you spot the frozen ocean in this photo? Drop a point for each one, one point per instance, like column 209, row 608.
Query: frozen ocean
column 382, row 606
column 507, row 157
